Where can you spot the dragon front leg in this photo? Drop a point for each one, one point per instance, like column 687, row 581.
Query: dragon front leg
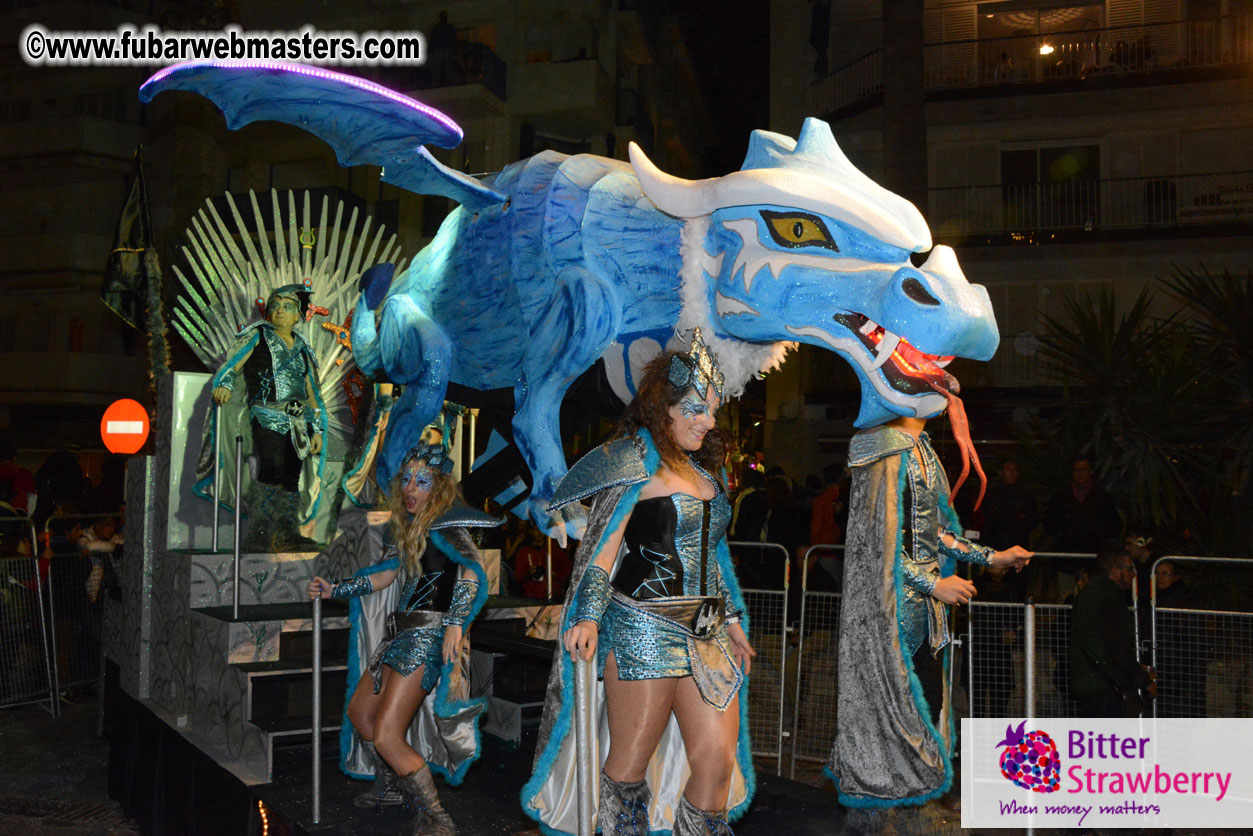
column 582, row 317
column 373, row 285
column 414, row 351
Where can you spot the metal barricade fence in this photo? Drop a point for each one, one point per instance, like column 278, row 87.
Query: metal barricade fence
column 78, row 582
column 1204, row 666
column 812, row 676
column 1052, row 662
column 25, row 656
column 995, row 648
column 768, row 620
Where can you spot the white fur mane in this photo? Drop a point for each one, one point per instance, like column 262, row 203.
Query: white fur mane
column 740, row 361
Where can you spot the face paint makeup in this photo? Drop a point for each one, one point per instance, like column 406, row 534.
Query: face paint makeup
column 693, row 406
column 691, row 418
column 420, row 478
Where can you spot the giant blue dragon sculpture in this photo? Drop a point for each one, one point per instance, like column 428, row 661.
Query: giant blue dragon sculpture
column 559, row 261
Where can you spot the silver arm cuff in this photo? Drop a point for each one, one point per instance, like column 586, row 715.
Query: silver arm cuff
column 353, row 587
column 463, row 593
column 593, row 596
column 977, row 554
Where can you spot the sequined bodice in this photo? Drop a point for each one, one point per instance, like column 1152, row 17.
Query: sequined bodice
column 276, row 373
column 669, row 539
column 432, row 590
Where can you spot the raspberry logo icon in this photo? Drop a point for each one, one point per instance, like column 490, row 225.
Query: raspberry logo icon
column 1030, row 759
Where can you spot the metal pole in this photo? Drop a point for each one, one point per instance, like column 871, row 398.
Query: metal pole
column 216, row 415
column 317, row 709
column 1029, row 657
column 548, row 569
column 1135, row 614
column 239, row 487
column 1028, row 630
column 474, row 423
column 787, row 574
column 800, row 659
column 55, row 674
column 50, row 665
column 970, row 663
column 1153, row 619
column 585, row 743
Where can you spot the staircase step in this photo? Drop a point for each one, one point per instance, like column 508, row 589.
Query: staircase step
column 281, row 695
column 289, row 611
column 297, row 645
column 291, row 726
column 283, row 667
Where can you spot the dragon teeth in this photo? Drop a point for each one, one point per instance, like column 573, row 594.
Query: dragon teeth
column 868, row 327
column 885, row 348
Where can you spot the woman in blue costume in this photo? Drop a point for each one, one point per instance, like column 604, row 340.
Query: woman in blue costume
column 421, row 649
column 655, row 602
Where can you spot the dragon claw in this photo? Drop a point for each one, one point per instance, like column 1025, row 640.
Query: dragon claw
column 374, row 284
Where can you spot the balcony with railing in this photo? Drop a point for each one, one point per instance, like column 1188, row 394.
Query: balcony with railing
column 1114, row 52
column 472, row 62
column 1126, row 203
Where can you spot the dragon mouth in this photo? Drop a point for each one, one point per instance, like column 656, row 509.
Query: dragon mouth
column 905, row 368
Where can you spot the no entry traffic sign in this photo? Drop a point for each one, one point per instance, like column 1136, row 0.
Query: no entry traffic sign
column 124, row 427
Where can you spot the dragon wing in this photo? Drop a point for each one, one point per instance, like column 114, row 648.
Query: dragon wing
column 365, row 123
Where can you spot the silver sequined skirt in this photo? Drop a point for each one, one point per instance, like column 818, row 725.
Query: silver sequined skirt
column 409, row 649
column 655, row 640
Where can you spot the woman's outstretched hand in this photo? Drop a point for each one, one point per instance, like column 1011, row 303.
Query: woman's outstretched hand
column 581, row 639
column 740, row 648
column 452, row 642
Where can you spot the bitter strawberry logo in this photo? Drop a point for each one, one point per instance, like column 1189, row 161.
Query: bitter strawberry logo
column 1030, row 759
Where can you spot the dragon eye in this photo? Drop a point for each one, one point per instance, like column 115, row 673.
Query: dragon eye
column 798, row 229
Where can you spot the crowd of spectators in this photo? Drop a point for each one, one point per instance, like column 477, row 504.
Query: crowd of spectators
column 72, row 561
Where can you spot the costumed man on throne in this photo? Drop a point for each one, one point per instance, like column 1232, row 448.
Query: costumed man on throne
column 895, row 734
column 268, row 392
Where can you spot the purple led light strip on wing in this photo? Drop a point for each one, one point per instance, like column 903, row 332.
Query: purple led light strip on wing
column 316, row 72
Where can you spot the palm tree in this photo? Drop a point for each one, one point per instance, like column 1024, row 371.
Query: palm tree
column 1135, row 399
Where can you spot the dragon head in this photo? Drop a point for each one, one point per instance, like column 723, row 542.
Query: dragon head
column 799, row 245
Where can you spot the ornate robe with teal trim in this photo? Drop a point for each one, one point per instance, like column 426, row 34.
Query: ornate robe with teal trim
column 887, row 749
column 236, row 418
column 614, row 475
column 445, row 729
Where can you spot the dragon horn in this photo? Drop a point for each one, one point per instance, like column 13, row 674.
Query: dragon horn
column 672, row 195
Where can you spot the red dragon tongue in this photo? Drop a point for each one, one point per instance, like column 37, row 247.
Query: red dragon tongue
column 961, row 434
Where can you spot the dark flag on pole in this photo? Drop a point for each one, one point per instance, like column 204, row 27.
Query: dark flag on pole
column 132, row 279
column 125, row 281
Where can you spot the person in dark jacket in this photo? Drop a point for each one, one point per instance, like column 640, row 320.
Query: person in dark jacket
column 1105, row 675
column 1082, row 517
column 1009, row 512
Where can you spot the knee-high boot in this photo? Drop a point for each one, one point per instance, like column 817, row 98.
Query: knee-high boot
column 430, row 818
column 689, row 821
column 287, row 536
column 383, row 792
column 623, row 807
